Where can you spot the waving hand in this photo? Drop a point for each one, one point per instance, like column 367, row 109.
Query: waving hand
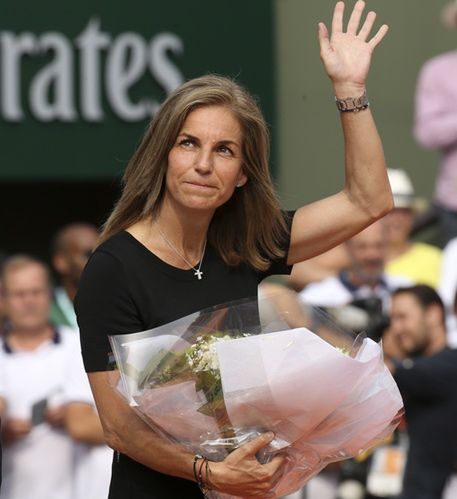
column 347, row 54
column 366, row 196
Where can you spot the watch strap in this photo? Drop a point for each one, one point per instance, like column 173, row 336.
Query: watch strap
column 353, row 104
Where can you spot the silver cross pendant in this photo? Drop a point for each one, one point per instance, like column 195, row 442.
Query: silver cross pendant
column 198, row 273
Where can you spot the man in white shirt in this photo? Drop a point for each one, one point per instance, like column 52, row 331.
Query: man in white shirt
column 39, row 364
column 35, row 357
column 94, row 457
column 365, row 277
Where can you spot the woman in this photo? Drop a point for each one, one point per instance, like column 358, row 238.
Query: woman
column 198, row 224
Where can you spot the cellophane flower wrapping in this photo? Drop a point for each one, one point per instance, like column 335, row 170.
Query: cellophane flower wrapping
column 220, row 377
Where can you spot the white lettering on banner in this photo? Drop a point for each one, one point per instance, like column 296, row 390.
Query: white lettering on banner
column 52, row 93
column 13, row 48
column 57, row 76
column 125, row 66
column 161, row 68
column 90, row 42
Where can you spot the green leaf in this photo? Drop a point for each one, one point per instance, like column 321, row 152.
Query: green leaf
column 162, row 367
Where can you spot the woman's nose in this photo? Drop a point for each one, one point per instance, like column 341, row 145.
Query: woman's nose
column 204, row 161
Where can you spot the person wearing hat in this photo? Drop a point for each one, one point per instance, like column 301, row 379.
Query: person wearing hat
column 418, row 261
column 435, row 125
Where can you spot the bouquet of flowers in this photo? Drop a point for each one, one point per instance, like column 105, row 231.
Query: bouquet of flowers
column 217, row 378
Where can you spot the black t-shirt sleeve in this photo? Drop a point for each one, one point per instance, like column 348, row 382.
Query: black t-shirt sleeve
column 104, row 306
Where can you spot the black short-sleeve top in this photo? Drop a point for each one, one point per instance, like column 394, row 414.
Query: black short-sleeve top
column 125, row 288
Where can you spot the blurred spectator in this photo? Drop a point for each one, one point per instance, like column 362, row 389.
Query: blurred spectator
column 448, row 288
column 436, row 126
column 427, row 379
column 94, row 457
column 2, row 403
column 419, row 262
column 319, row 268
column 45, row 398
column 39, row 362
column 364, row 278
column 71, row 249
column 280, row 303
column 451, row 487
column 386, row 467
column 2, row 311
column 365, row 285
column 448, row 280
column 416, row 261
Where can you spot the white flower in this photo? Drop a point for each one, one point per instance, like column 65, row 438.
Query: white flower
column 202, row 356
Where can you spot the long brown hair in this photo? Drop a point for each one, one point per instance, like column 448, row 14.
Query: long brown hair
column 250, row 226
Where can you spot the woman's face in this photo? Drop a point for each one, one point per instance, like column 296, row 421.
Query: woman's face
column 204, row 164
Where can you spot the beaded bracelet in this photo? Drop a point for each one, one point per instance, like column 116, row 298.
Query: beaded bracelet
column 198, row 475
column 194, row 466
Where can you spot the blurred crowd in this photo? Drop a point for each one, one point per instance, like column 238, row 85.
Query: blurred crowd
column 395, row 287
column 53, row 445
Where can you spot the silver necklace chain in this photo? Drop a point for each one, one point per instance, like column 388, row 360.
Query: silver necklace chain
column 197, row 271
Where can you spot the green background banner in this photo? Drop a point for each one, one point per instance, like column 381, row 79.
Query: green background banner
column 79, row 80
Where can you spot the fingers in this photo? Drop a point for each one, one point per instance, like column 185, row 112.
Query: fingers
column 352, row 27
column 337, row 22
column 55, row 417
column 376, row 40
column 367, row 26
column 276, row 468
column 16, row 429
column 324, row 40
column 252, row 447
column 354, row 21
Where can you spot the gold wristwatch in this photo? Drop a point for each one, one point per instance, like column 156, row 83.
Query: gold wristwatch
column 353, row 104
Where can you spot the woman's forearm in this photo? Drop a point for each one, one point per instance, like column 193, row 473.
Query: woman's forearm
column 346, row 55
column 366, row 183
column 136, row 440
column 127, row 433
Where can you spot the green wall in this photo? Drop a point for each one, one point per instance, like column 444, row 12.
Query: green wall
column 310, row 145
column 79, row 80
column 234, row 38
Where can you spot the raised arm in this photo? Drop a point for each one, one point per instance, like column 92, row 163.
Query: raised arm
column 366, row 195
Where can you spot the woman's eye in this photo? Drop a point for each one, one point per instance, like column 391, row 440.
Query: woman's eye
column 225, row 150
column 187, row 142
